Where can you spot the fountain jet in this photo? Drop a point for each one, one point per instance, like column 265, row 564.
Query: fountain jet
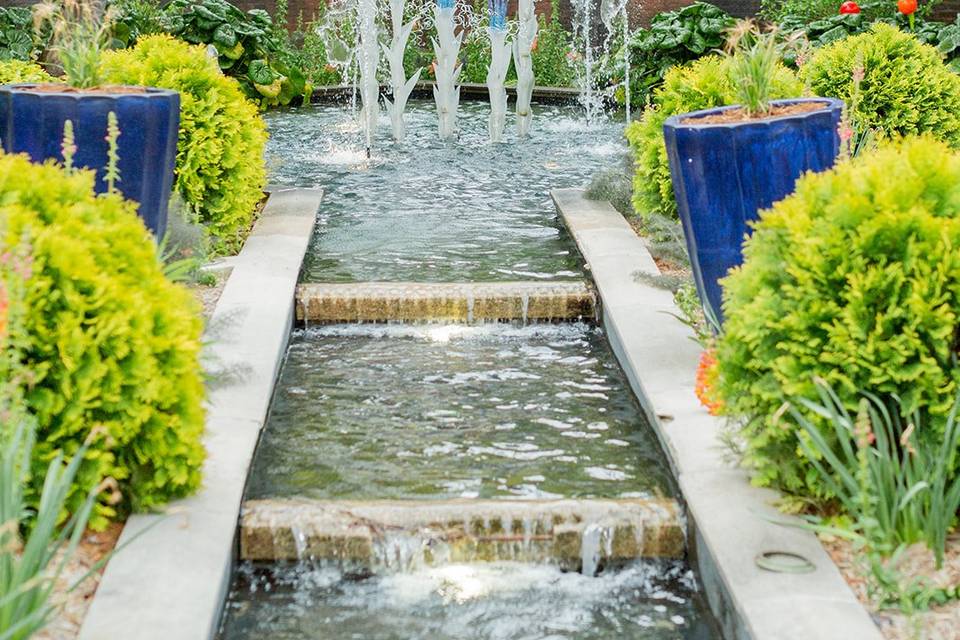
column 497, row 71
column 609, row 10
column 523, row 59
column 446, row 47
column 369, row 61
column 400, row 85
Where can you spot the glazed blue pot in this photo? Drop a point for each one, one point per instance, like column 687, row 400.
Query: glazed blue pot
column 32, row 120
column 724, row 174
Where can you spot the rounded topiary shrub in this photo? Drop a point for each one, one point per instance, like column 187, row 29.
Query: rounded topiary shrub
column 702, row 84
column 855, row 279
column 110, row 346
column 906, row 87
column 220, row 165
column 16, row 71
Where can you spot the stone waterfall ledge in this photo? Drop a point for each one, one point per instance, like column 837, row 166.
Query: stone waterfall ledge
column 452, row 302
column 729, row 518
column 369, row 532
column 169, row 579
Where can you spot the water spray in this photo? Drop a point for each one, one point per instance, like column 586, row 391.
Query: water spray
column 369, row 61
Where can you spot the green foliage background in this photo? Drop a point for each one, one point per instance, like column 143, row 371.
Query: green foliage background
column 108, row 342
column 854, row 278
column 14, row 71
column 220, row 164
column 906, row 88
column 702, row 84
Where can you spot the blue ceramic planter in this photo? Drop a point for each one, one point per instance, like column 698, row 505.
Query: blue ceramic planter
column 724, row 174
column 31, row 122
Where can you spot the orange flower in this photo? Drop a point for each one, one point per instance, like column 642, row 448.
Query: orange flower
column 4, row 305
column 705, row 388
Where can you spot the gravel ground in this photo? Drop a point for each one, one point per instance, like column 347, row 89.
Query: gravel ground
column 92, row 549
column 939, row 623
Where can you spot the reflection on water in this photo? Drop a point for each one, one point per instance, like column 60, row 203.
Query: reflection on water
column 393, row 411
column 432, row 211
column 496, row 601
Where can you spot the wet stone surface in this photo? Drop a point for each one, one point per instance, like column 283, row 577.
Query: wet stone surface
column 401, row 534
column 466, row 302
column 450, row 411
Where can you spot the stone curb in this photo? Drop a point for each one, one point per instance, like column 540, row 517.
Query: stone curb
column 170, row 581
column 730, row 519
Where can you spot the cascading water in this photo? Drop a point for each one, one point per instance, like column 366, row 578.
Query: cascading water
column 523, row 60
column 583, row 29
column 497, row 71
column 369, row 61
column 400, row 85
column 446, row 47
column 610, row 11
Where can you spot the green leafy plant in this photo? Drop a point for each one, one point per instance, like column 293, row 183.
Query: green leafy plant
column 81, row 34
column 18, row 40
column 250, row 48
column 800, row 12
column 898, row 488
column 220, row 167
column 753, row 55
column 554, row 59
column 133, row 20
column 702, row 84
column 673, row 38
column 906, row 88
column 314, row 59
column 109, row 343
column 14, row 71
column 30, row 565
column 855, row 278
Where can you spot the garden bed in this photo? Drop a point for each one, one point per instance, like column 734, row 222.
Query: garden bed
column 939, row 622
column 94, row 547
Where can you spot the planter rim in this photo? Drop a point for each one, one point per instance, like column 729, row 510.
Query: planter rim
column 105, row 92
column 675, row 122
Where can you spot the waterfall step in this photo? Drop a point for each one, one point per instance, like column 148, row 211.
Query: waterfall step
column 444, row 301
column 577, row 534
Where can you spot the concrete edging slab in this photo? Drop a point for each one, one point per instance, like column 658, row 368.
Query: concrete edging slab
column 171, row 581
column 730, row 519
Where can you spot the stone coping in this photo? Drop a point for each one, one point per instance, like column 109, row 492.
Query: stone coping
column 443, row 301
column 468, row 91
column 463, row 530
column 730, row 519
column 170, row 581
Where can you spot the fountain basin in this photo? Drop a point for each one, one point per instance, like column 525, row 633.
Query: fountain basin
column 454, row 302
column 417, row 532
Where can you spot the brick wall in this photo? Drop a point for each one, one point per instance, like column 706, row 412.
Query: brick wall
column 947, row 10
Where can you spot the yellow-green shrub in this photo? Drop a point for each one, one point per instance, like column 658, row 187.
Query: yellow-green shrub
column 906, row 87
column 855, row 278
column 220, row 164
column 109, row 343
column 702, row 84
column 14, row 71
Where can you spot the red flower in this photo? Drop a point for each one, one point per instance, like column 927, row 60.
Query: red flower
column 907, row 7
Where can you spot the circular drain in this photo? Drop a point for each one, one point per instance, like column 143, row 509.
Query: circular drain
column 784, row 562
